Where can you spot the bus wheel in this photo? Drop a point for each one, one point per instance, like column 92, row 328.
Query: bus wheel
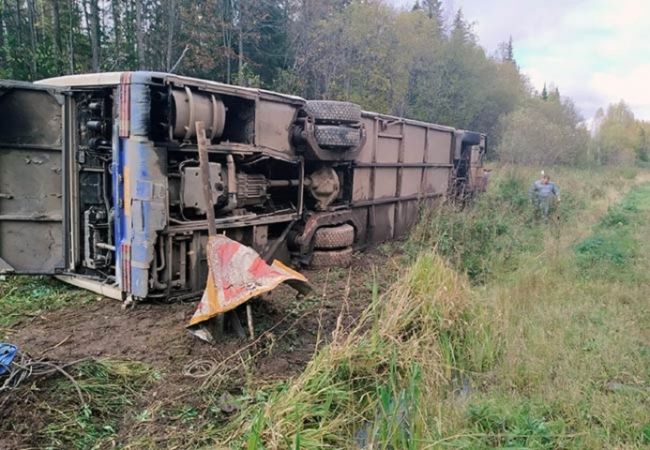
column 322, row 259
column 340, row 236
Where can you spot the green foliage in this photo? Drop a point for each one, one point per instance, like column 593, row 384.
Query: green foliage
column 608, row 249
column 620, row 138
column 643, row 145
column 406, row 63
column 503, row 424
column 487, row 235
column 374, row 386
column 108, row 388
column 390, row 61
column 27, row 296
column 612, row 247
column 544, row 132
column 504, row 367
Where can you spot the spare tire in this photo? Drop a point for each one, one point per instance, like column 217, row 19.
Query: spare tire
column 337, row 136
column 329, row 111
column 334, row 237
column 471, row 138
column 331, row 258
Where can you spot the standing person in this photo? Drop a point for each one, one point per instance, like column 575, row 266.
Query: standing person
column 544, row 194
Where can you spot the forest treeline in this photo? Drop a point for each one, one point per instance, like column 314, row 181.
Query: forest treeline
column 424, row 63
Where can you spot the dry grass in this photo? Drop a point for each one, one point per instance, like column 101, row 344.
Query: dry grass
column 375, row 384
column 576, row 354
column 500, row 331
column 536, row 354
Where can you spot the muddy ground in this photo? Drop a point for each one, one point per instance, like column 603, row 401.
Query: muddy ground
column 287, row 329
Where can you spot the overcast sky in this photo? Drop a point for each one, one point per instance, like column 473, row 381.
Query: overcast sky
column 595, row 51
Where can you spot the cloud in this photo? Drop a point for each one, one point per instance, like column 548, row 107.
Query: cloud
column 631, row 86
column 595, row 51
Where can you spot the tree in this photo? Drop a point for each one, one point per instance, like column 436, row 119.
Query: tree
column 544, row 133
column 544, row 94
column 506, row 51
column 618, row 137
column 95, row 33
column 642, row 148
column 461, row 30
column 434, row 11
column 404, row 63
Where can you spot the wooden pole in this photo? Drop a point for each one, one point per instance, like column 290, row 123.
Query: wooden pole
column 204, row 165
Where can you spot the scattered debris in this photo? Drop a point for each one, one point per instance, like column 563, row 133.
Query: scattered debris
column 16, row 367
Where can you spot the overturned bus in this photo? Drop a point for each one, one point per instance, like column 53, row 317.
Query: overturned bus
column 100, row 182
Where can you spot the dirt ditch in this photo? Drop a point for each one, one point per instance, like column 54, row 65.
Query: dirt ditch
column 287, row 329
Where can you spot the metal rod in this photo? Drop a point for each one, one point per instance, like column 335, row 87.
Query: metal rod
column 105, row 246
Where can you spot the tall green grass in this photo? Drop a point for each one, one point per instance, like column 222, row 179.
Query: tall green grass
column 573, row 319
column 493, row 336
column 22, row 297
column 376, row 386
column 109, row 388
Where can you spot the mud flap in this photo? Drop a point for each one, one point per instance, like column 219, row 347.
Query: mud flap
column 236, row 274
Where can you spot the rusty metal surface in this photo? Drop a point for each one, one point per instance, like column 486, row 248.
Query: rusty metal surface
column 208, row 199
column 303, row 240
column 324, row 186
column 273, row 122
column 402, row 163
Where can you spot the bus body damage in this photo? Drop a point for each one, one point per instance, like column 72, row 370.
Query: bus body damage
column 100, row 178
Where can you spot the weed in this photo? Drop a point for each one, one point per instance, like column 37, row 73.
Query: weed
column 499, row 331
column 109, row 387
column 489, row 234
column 500, row 424
column 22, row 297
column 373, row 386
column 533, row 341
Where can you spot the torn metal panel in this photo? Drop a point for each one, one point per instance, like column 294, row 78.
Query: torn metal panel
column 237, row 274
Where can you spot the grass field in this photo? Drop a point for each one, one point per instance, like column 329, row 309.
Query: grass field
column 501, row 331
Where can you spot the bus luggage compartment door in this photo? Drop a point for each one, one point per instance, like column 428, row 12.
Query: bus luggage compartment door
column 32, row 176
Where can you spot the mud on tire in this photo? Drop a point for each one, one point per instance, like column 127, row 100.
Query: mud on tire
column 337, row 136
column 322, row 259
column 333, row 112
column 340, row 236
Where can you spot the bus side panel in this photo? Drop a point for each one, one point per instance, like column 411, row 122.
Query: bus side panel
column 402, row 164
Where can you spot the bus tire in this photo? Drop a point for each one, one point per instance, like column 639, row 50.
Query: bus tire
column 340, row 236
column 322, row 259
column 338, row 136
column 328, row 111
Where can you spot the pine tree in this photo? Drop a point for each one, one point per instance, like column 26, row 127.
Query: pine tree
column 460, row 30
column 433, row 9
column 544, row 93
column 506, row 51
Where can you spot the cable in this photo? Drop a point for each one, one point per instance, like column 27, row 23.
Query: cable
column 23, row 367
